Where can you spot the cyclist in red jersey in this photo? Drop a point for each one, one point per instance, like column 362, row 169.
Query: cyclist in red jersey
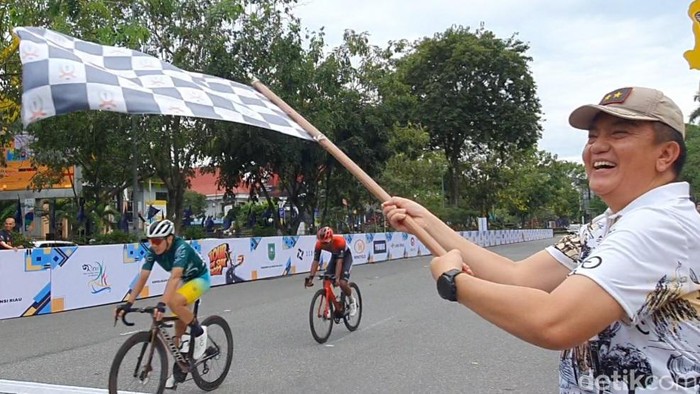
column 339, row 265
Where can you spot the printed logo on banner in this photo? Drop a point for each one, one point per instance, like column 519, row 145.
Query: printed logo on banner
column 379, row 246
column 369, row 237
column 219, row 258
column 10, row 300
column 360, row 248
column 254, row 242
column 289, row 241
column 404, row 236
column 98, row 277
column 271, row 251
column 304, row 253
column 134, row 252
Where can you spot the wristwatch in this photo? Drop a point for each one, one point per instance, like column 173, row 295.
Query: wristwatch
column 446, row 284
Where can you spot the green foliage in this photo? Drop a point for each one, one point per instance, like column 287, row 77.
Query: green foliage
column 691, row 170
column 477, row 99
column 197, row 201
column 20, row 241
column 193, row 232
column 115, row 237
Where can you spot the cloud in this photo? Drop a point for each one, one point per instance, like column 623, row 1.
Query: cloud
column 581, row 49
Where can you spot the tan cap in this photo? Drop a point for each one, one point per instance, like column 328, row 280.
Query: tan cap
column 634, row 104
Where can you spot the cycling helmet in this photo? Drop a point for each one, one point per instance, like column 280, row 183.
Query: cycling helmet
column 160, row 229
column 324, row 234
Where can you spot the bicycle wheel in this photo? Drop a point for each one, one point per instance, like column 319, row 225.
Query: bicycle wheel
column 140, row 365
column 352, row 322
column 212, row 368
column 320, row 319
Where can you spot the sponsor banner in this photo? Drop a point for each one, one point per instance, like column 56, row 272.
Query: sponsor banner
column 22, row 292
column 304, row 254
column 94, row 275
column 272, row 256
column 379, row 248
column 228, row 260
column 38, row 281
column 411, row 245
column 359, row 247
column 396, row 246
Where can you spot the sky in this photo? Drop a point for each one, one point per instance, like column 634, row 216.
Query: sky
column 581, row 49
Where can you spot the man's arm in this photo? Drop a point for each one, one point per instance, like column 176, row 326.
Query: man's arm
column 138, row 287
column 539, row 271
column 540, row 318
column 338, row 269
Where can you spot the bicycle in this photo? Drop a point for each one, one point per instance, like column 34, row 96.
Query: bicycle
column 324, row 305
column 151, row 347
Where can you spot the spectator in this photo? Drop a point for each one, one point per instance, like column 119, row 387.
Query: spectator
column 619, row 298
column 6, row 241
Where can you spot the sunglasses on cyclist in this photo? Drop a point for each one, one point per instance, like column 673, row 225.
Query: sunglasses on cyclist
column 156, row 241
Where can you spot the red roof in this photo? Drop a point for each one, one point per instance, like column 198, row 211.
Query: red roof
column 205, row 183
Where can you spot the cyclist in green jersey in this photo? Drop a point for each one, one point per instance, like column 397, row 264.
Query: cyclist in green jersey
column 189, row 280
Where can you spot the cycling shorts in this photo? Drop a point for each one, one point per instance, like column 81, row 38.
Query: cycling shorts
column 193, row 289
column 347, row 266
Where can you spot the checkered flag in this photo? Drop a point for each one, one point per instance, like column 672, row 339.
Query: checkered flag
column 63, row 74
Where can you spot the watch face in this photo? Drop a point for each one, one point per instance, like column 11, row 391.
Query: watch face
column 446, row 285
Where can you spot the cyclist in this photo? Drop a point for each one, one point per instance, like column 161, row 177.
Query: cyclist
column 340, row 263
column 189, row 280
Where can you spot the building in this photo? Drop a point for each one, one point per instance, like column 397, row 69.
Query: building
column 206, row 183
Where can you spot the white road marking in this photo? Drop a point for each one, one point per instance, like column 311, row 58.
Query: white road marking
column 367, row 328
column 17, row 387
column 129, row 332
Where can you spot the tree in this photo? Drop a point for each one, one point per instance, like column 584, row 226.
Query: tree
column 476, row 97
column 691, row 170
column 414, row 171
column 541, row 188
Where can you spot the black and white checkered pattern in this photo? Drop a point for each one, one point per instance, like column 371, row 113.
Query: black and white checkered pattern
column 62, row 74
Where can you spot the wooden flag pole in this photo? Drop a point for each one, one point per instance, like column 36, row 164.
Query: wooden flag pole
column 435, row 248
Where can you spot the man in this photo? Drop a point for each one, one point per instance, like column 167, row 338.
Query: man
column 620, row 298
column 189, row 280
column 6, row 235
column 339, row 265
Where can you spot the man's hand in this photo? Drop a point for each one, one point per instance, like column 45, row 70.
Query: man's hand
column 160, row 310
column 396, row 209
column 308, row 281
column 451, row 260
column 122, row 309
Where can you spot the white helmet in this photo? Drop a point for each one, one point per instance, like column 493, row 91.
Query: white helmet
column 160, row 229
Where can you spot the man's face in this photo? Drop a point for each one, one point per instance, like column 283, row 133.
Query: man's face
column 159, row 245
column 621, row 159
column 9, row 224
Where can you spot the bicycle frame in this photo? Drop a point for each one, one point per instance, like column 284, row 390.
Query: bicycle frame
column 159, row 330
column 330, row 297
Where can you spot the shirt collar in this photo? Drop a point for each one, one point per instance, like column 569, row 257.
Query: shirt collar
column 662, row 193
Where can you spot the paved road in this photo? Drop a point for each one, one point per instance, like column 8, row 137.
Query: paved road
column 409, row 340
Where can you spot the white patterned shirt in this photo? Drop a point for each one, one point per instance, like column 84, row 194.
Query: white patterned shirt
column 647, row 257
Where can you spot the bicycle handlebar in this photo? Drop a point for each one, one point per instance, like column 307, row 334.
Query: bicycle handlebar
column 149, row 310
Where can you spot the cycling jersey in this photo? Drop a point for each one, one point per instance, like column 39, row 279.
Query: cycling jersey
column 339, row 250
column 180, row 255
